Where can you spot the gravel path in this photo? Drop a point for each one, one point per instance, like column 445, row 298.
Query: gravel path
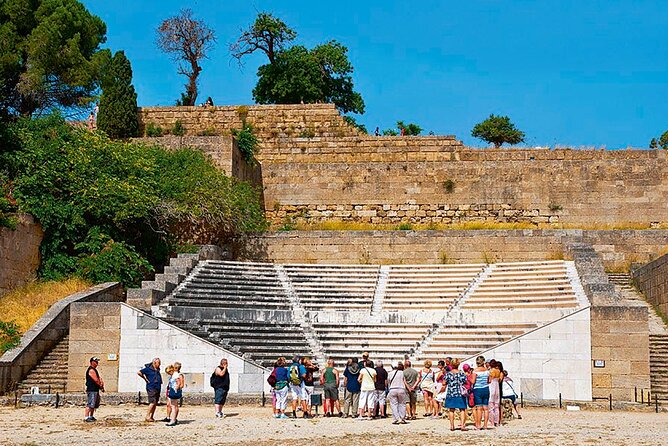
column 254, row 426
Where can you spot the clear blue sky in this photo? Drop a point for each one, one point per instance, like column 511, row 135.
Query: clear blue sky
column 569, row 72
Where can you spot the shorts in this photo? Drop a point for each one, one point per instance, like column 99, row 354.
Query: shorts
column 367, row 399
column 481, row 396
column 153, row 396
column 220, row 396
column 380, row 396
column 92, row 400
column 297, row 391
column 412, row 397
column 512, row 398
column 307, row 391
column 331, row 392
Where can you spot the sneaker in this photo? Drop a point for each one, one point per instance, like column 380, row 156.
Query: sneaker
column 93, row 419
column 283, row 416
column 341, row 415
column 172, row 423
column 88, row 420
column 222, row 415
column 219, row 415
column 166, row 420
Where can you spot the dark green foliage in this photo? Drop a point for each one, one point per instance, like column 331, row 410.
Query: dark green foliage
column 322, row 74
column 185, row 100
column 109, row 207
column 9, row 336
column 246, row 142
column 405, row 227
column 389, row 132
column 497, row 130
column 153, row 130
column 7, row 204
column 353, row 123
column 178, row 129
column 48, row 55
column 118, row 104
column 267, row 34
column 409, row 129
column 661, row 143
column 449, row 186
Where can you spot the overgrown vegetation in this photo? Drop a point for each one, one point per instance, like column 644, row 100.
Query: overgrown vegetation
column 153, row 130
column 351, row 121
column 9, row 336
column 247, row 142
column 118, row 104
column 111, row 209
column 178, row 129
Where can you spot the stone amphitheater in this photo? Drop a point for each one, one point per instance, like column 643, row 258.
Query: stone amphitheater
column 572, row 306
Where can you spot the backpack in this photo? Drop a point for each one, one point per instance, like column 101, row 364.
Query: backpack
column 294, row 375
column 271, row 380
column 215, row 381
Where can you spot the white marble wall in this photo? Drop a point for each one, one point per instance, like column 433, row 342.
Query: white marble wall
column 198, row 357
column 553, row 359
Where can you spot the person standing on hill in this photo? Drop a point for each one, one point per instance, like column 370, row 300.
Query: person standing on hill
column 94, row 385
column 151, row 374
column 220, row 381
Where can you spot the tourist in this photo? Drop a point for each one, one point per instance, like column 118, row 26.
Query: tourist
column 412, row 377
column 353, row 387
column 297, row 374
column 280, row 387
column 508, row 392
column 151, row 374
column 439, row 385
column 427, row 386
column 94, row 385
column 330, row 382
column 494, row 380
column 468, row 370
column 397, row 393
column 176, row 385
column 381, row 389
column 479, row 379
column 169, row 370
column 455, row 395
column 220, row 381
column 309, row 385
column 365, row 358
column 367, row 379
column 209, row 102
column 376, row 132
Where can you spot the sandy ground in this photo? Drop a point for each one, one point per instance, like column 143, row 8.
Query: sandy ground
column 255, row 426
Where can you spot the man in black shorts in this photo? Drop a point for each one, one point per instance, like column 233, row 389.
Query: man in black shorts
column 151, row 374
column 220, row 381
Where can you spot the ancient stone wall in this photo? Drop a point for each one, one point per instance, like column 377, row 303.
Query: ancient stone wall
column 616, row 248
column 652, row 280
column 19, row 253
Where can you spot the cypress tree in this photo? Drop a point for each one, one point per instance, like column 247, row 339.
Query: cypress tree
column 118, row 105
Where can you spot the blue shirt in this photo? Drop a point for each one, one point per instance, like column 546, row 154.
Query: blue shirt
column 281, row 374
column 352, row 385
column 154, row 377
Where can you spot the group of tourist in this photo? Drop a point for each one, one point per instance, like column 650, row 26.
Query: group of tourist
column 368, row 386
column 150, row 373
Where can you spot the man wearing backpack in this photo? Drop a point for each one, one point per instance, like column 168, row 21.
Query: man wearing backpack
column 296, row 375
column 220, row 381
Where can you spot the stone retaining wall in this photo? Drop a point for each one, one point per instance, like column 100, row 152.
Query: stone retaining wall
column 19, row 253
column 617, row 248
column 48, row 331
column 652, row 280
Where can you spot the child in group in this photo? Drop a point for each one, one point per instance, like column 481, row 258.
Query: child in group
column 169, row 370
column 509, row 392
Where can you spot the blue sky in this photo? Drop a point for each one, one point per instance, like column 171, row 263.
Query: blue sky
column 571, row 73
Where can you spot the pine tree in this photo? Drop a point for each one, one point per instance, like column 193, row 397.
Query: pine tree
column 118, row 105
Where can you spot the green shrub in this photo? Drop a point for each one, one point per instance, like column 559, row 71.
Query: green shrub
column 153, row 130
column 405, row 227
column 9, row 336
column 109, row 209
column 247, row 142
column 7, row 207
column 178, row 129
column 449, row 186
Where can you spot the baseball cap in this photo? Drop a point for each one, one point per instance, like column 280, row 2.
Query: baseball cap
column 95, row 358
column 466, row 367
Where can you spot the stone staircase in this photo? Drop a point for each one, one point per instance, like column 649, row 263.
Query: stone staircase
column 50, row 375
column 658, row 337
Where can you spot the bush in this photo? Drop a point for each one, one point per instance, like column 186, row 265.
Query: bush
column 109, row 209
column 7, row 205
column 247, row 142
column 178, row 129
column 153, row 130
column 9, row 336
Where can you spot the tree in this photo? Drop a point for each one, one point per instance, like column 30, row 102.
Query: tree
column 267, row 34
column 497, row 130
column 48, row 55
column 409, row 129
column 322, row 74
column 351, row 121
column 186, row 40
column 661, row 143
column 118, row 104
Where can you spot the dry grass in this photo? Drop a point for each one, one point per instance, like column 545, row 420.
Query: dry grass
column 25, row 305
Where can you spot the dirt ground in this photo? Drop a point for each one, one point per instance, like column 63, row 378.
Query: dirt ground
column 255, row 426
